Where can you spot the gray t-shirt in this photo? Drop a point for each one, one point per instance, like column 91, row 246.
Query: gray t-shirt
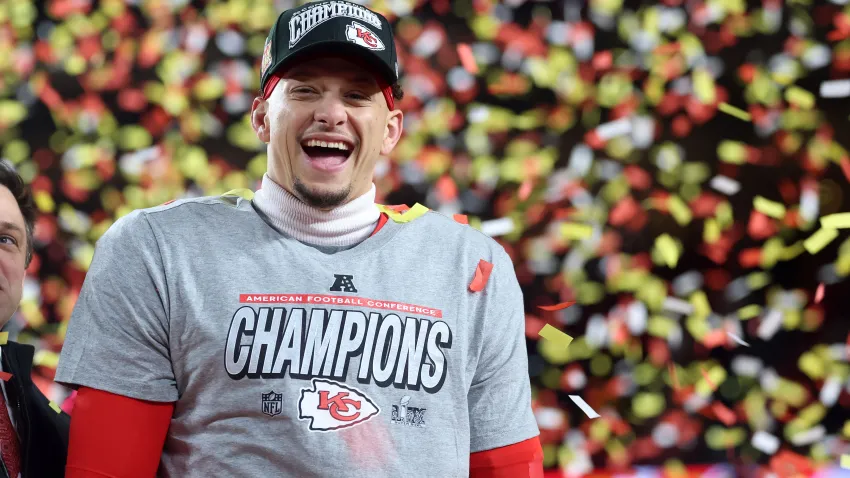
column 289, row 360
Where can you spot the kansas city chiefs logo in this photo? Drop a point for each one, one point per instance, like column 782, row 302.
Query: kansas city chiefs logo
column 330, row 406
column 362, row 36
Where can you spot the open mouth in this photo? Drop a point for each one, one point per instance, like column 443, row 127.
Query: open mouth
column 327, row 154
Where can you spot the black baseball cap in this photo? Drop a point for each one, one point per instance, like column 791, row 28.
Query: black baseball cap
column 336, row 27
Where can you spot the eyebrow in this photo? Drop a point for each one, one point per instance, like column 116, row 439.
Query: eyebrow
column 8, row 225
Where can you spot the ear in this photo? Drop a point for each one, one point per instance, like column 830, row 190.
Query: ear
column 260, row 119
column 392, row 132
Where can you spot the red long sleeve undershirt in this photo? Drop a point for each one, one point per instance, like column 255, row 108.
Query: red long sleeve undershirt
column 119, row 437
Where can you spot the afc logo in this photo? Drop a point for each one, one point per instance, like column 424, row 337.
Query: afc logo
column 362, row 36
column 410, row 416
column 272, row 403
column 343, row 283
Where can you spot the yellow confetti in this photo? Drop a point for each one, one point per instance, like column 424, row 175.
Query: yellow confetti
column 669, row 250
column 243, row 193
column 800, row 97
column 733, row 111
column 749, row 311
column 839, row 220
column 679, row 210
column 576, row 231
column 820, row 239
column 416, row 211
column 551, row 333
column 845, row 462
column 46, row 358
column 55, row 407
column 4, row 338
column 768, row 207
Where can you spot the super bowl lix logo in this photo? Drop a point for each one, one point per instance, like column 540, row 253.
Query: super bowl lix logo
column 403, row 414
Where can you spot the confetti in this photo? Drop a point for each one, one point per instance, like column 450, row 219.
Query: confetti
column 737, row 339
column 836, row 221
column 819, row 293
column 725, row 185
column 5, row 376
column 765, row 442
column 820, row 239
column 561, row 306
column 4, row 338
column 498, row 227
column 769, row 208
column 733, row 111
column 482, row 275
column 551, row 333
column 467, row 59
column 55, row 407
column 835, row 89
column 845, row 461
column 584, row 406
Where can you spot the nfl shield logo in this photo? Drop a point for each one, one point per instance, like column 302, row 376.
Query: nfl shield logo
column 272, row 403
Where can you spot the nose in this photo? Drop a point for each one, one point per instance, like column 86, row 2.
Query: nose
column 331, row 112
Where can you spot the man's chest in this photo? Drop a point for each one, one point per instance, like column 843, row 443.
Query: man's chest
column 324, row 348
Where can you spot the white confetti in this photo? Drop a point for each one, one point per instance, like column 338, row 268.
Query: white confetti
column 584, row 406
column 830, row 391
column 549, row 418
column 835, row 89
column 725, row 185
column 746, row 366
column 770, row 324
column 765, row 442
column 615, row 128
column 809, row 436
column 737, row 339
column 497, row 227
column 674, row 304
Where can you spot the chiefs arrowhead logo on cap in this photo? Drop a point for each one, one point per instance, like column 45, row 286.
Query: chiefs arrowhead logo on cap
column 330, row 406
column 362, row 36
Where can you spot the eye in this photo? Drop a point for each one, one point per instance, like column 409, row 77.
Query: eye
column 8, row 240
column 356, row 95
column 302, row 90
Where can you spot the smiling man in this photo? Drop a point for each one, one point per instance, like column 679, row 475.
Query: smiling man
column 33, row 436
column 304, row 332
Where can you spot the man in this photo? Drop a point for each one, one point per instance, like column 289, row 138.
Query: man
column 33, row 435
column 303, row 333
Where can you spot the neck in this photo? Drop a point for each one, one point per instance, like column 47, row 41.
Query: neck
column 345, row 225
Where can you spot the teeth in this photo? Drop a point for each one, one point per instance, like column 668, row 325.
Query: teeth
column 325, row 144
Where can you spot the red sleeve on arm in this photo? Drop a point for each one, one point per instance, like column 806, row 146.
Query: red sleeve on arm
column 520, row 460
column 116, row 436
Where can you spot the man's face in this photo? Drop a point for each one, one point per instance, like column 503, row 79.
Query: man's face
column 13, row 252
column 326, row 124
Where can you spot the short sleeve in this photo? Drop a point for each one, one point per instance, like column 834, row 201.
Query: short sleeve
column 500, row 394
column 117, row 338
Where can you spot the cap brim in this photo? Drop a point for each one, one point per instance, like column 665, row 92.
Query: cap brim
column 338, row 48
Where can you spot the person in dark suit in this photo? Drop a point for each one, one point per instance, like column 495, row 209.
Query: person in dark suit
column 33, row 434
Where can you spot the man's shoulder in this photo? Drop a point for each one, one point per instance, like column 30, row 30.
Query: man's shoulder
column 445, row 231
column 184, row 212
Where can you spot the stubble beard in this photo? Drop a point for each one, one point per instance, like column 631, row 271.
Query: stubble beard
column 321, row 200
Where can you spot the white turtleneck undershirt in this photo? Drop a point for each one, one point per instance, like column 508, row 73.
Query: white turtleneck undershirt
column 346, row 225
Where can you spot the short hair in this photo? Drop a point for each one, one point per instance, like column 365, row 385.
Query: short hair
column 398, row 93
column 23, row 195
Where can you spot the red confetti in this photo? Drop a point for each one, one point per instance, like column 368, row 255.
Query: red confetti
column 819, row 294
column 482, row 274
column 5, row 376
column 461, row 218
column 707, row 379
column 466, row 58
column 562, row 305
column 723, row 414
